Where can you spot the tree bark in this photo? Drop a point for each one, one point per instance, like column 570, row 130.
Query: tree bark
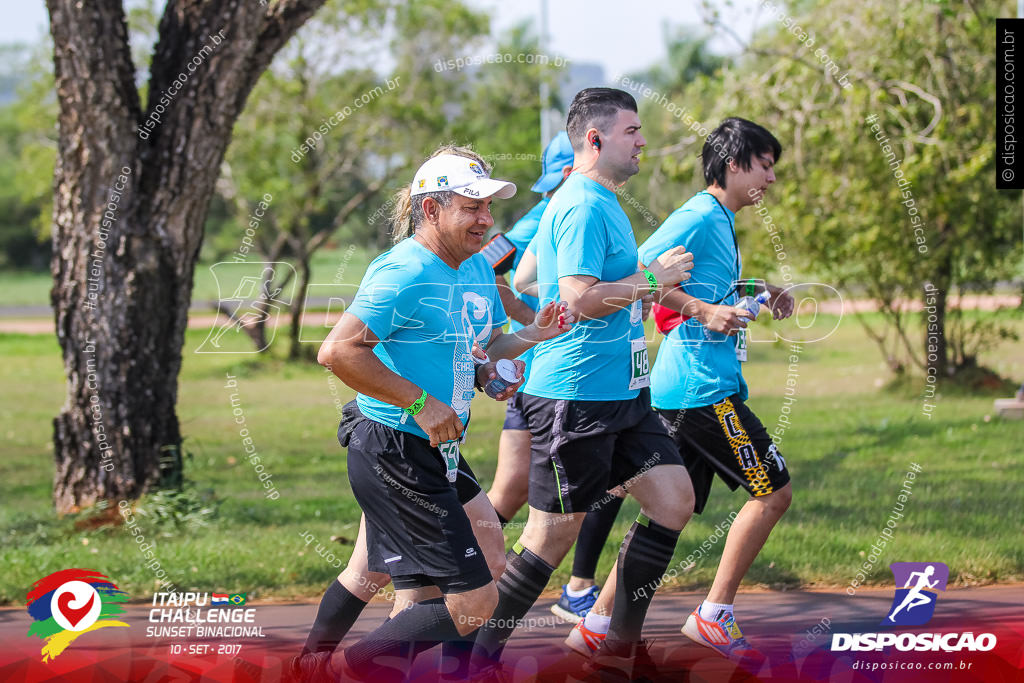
column 129, row 208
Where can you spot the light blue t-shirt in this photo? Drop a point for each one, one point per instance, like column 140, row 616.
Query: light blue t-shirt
column 696, row 367
column 584, row 231
column 426, row 315
column 520, row 235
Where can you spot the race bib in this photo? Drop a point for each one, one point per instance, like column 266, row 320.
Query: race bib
column 450, row 453
column 640, row 366
column 741, row 346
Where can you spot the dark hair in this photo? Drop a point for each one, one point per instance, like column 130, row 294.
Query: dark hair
column 595, row 108
column 739, row 140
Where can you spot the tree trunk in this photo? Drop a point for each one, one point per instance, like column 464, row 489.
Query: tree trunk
column 298, row 307
column 936, row 332
column 936, row 348
column 129, row 207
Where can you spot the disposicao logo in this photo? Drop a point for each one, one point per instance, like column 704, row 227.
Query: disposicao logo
column 917, row 586
column 914, row 603
column 71, row 602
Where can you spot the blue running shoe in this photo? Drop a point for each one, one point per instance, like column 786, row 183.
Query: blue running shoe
column 572, row 609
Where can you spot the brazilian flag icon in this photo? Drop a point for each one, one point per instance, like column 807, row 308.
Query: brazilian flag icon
column 237, row 599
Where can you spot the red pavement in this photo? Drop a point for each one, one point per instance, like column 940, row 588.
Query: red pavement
column 779, row 624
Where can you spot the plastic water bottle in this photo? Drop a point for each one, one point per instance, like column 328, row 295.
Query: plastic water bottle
column 752, row 304
column 507, row 376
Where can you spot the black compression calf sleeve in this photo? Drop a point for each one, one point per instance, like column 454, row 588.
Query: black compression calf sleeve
column 501, row 519
column 338, row 610
column 518, row 588
column 643, row 558
column 455, row 656
column 386, row 653
column 593, row 534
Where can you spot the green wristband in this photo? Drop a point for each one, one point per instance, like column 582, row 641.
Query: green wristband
column 751, row 286
column 417, row 405
column 652, row 280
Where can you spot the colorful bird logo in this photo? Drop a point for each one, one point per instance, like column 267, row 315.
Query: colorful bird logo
column 71, row 602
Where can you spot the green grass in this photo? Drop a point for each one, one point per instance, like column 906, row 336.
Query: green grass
column 329, row 266
column 851, row 440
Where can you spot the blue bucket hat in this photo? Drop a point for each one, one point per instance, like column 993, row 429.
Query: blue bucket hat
column 557, row 155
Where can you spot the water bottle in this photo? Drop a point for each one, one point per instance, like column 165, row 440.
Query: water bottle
column 507, row 376
column 752, row 304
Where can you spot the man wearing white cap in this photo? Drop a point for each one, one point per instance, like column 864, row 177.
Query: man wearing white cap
column 405, row 345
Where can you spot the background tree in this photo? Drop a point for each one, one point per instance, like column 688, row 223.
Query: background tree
column 122, row 350
column 328, row 190
column 28, row 139
column 925, row 71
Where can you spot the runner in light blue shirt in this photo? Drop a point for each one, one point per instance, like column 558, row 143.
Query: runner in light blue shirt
column 405, row 346
column 697, row 383
column 427, row 315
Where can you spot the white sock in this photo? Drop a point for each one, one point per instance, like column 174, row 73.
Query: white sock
column 577, row 594
column 712, row 611
column 596, row 622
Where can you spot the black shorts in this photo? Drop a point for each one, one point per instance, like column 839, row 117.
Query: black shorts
column 466, row 485
column 514, row 418
column 416, row 528
column 580, row 449
column 726, row 438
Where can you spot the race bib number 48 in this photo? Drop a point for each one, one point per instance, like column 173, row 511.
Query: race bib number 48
column 640, row 365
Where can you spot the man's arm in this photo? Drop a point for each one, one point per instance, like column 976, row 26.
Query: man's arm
column 590, row 298
column 717, row 318
column 348, row 353
column 550, row 321
column 514, row 308
column 525, row 279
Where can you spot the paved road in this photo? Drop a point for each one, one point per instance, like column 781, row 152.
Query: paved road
column 779, row 624
column 39, row 319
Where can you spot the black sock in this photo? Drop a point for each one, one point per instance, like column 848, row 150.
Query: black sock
column 593, row 534
column 385, row 654
column 455, row 656
column 338, row 610
column 501, row 519
column 518, row 588
column 643, row 558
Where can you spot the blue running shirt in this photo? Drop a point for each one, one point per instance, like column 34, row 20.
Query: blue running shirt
column 520, row 235
column 426, row 315
column 584, row 231
column 695, row 367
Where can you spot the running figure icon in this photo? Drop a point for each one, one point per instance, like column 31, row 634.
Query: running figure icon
column 915, row 597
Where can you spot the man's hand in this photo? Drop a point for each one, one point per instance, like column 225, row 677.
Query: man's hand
column 672, row 267
column 725, row 320
column 782, row 303
column 647, row 301
column 486, row 372
column 552, row 320
column 439, row 421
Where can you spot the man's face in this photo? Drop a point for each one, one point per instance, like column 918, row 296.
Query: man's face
column 621, row 146
column 753, row 183
column 463, row 224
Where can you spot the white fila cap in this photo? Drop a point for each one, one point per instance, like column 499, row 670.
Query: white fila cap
column 461, row 175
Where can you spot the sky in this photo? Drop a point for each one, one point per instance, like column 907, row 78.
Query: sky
column 621, row 37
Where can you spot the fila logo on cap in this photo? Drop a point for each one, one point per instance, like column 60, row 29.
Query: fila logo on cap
column 461, row 175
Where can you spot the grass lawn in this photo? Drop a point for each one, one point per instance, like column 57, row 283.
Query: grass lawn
column 330, row 266
column 850, row 443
